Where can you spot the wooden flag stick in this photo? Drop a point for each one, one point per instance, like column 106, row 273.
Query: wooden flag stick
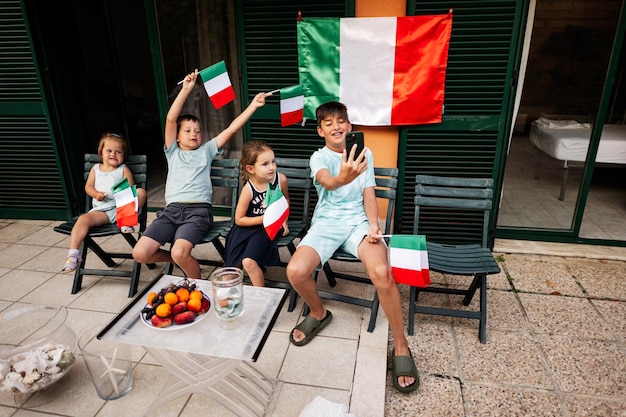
column 272, row 92
column 183, row 80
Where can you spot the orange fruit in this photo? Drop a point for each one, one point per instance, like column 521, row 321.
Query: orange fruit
column 163, row 310
column 194, row 304
column 151, row 297
column 196, row 294
column 170, row 298
column 183, row 294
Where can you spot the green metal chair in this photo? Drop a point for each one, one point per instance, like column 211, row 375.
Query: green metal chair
column 138, row 165
column 461, row 197
column 299, row 181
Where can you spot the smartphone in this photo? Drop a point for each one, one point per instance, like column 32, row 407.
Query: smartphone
column 354, row 138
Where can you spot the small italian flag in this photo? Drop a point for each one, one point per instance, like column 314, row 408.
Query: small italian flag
column 291, row 105
column 217, row 84
column 127, row 203
column 276, row 211
column 408, row 258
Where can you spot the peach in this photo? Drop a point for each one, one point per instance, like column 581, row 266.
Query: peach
column 184, row 317
column 204, row 306
column 161, row 321
column 179, row 308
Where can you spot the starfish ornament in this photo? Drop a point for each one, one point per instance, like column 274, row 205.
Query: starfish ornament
column 111, row 370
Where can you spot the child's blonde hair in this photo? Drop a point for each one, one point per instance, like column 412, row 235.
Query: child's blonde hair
column 112, row 136
column 249, row 154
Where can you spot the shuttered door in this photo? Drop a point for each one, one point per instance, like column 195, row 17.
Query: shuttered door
column 471, row 138
column 31, row 182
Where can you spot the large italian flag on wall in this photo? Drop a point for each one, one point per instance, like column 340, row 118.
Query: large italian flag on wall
column 386, row 70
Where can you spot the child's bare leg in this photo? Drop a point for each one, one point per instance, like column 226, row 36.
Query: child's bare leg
column 83, row 223
column 300, row 274
column 181, row 255
column 148, row 250
column 141, row 197
column 374, row 257
column 254, row 271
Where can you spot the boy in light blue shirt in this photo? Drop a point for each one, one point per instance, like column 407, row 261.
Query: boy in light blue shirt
column 346, row 216
column 188, row 190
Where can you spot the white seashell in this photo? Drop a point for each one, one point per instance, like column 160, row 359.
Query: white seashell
column 33, row 361
column 31, row 378
column 55, row 355
column 53, row 370
column 13, row 380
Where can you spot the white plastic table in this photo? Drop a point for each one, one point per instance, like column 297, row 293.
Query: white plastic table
column 204, row 357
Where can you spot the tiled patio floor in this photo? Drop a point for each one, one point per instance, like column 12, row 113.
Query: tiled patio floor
column 556, row 341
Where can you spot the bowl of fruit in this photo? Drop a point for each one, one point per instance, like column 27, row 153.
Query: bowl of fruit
column 176, row 306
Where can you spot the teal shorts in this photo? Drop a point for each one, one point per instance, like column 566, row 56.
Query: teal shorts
column 326, row 239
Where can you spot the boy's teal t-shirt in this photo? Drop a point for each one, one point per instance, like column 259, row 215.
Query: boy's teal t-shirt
column 345, row 204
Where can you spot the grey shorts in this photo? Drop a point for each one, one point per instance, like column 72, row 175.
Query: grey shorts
column 326, row 240
column 188, row 221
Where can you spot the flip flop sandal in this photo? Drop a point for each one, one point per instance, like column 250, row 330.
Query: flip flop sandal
column 404, row 366
column 310, row 327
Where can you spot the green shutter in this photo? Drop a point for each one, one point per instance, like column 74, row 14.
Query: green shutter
column 475, row 124
column 29, row 172
column 270, row 61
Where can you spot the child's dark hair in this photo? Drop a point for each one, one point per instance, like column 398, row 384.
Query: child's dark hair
column 184, row 117
column 249, row 154
column 331, row 108
column 112, row 136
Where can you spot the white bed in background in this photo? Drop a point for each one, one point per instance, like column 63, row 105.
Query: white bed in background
column 568, row 141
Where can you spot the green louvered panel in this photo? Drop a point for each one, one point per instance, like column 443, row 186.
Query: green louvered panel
column 447, row 153
column 17, row 71
column 31, row 184
column 466, row 143
column 271, row 62
column 28, row 167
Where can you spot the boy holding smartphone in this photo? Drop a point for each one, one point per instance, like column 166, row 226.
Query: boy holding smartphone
column 346, row 216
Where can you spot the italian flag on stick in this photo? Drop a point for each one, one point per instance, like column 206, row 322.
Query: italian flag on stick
column 408, row 258
column 276, row 212
column 217, row 84
column 291, row 105
column 386, row 70
column 127, row 203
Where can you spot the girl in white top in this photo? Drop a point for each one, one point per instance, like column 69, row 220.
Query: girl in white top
column 102, row 177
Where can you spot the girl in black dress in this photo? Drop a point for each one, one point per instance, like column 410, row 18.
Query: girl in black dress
column 247, row 243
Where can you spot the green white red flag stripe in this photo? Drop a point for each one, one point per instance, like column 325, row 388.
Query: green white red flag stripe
column 126, row 202
column 276, row 212
column 217, row 84
column 408, row 258
column 386, row 70
column 291, row 105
